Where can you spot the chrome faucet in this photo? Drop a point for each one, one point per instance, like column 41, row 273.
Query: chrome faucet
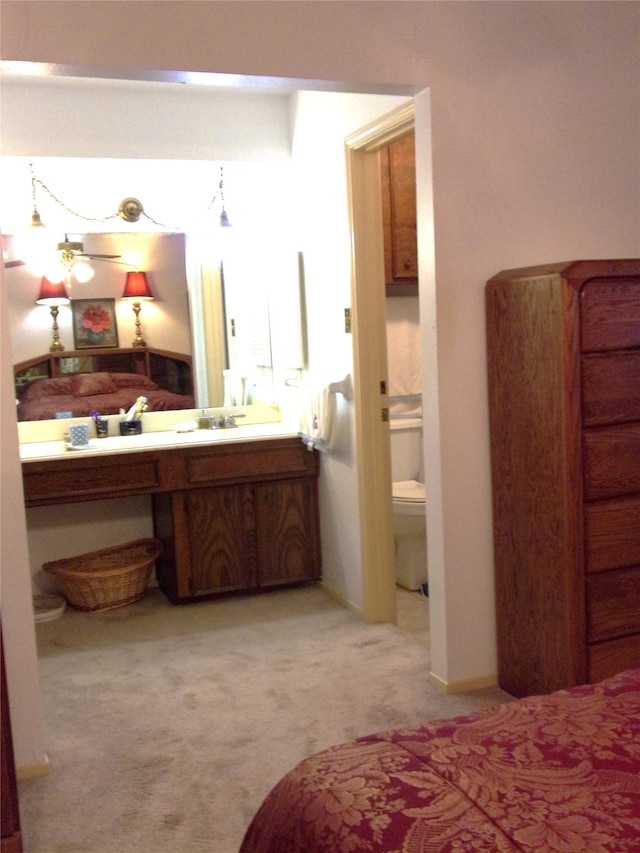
column 228, row 421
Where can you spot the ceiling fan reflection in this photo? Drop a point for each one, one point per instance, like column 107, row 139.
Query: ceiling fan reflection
column 72, row 260
column 70, row 250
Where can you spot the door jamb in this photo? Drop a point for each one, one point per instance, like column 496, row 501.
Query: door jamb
column 373, row 458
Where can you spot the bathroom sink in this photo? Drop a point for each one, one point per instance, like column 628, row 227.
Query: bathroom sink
column 149, row 440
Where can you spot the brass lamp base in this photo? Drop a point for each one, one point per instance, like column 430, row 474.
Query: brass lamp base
column 56, row 345
column 138, row 341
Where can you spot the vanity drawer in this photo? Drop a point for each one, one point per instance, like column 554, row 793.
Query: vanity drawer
column 610, row 314
column 250, row 461
column 613, row 604
column 611, row 461
column 610, row 385
column 90, row 479
column 612, row 534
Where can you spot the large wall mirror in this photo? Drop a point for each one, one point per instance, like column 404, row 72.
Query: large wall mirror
column 231, row 298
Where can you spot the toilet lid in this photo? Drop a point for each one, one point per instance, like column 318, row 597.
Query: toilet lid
column 410, row 491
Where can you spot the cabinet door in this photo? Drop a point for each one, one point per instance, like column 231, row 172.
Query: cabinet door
column 398, row 184
column 222, row 537
column 287, row 537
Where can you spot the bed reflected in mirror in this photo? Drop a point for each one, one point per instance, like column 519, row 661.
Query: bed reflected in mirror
column 235, row 314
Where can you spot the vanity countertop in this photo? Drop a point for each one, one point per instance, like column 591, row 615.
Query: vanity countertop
column 40, row 451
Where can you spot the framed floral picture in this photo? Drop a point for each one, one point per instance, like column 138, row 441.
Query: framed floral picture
column 94, row 323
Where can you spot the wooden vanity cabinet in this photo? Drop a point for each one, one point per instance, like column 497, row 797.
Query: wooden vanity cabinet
column 563, row 345
column 398, row 185
column 232, row 517
column 248, row 521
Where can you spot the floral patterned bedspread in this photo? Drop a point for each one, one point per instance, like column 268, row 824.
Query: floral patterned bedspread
column 550, row 774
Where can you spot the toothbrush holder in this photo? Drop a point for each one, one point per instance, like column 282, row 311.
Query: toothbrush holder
column 130, row 427
column 102, row 428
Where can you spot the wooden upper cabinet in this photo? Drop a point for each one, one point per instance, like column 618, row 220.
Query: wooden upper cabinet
column 398, row 183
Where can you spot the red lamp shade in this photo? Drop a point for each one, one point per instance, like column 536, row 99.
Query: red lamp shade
column 136, row 286
column 52, row 293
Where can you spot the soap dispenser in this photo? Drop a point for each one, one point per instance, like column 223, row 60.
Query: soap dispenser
column 204, row 421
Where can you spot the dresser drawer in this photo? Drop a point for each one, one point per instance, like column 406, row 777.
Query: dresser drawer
column 608, row 658
column 613, row 604
column 612, row 534
column 611, row 461
column 610, row 388
column 610, row 314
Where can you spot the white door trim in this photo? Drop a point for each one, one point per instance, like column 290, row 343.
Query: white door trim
column 373, row 460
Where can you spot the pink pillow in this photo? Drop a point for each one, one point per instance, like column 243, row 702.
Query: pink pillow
column 133, row 380
column 87, row 384
column 46, row 388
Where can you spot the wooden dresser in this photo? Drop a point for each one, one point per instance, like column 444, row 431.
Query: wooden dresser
column 563, row 345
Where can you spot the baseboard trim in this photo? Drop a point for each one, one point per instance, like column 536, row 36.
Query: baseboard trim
column 33, row 771
column 465, row 685
column 336, row 596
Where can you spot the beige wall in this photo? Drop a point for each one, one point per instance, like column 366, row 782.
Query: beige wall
column 536, row 139
column 18, row 627
column 321, row 121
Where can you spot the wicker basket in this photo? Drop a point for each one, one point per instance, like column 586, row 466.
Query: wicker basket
column 106, row 579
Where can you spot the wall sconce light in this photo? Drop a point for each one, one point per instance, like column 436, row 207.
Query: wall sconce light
column 130, row 209
column 53, row 294
column 35, row 243
column 137, row 288
column 224, row 216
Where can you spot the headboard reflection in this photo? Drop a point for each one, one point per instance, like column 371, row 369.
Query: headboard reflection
column 104, row 380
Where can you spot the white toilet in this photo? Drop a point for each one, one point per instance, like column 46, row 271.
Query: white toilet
column 409, row 505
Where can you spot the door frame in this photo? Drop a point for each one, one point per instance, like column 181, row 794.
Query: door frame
column 368, row 316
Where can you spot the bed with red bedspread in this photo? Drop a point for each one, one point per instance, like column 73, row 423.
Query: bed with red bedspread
column 106, row 393
column 549, row 774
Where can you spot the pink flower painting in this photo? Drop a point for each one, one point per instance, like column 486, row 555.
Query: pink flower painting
column 94, row 323
column 95, row 319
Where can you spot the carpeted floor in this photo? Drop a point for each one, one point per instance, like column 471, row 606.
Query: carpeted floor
column 166, row 726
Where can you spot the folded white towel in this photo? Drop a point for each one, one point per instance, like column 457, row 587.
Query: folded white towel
column 409, row 406
column 318, row 416
column 403, row 357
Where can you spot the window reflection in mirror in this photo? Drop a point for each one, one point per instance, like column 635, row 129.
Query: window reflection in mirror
column 248, row 328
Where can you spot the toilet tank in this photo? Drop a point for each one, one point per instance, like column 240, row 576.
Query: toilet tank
column 406, row 449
